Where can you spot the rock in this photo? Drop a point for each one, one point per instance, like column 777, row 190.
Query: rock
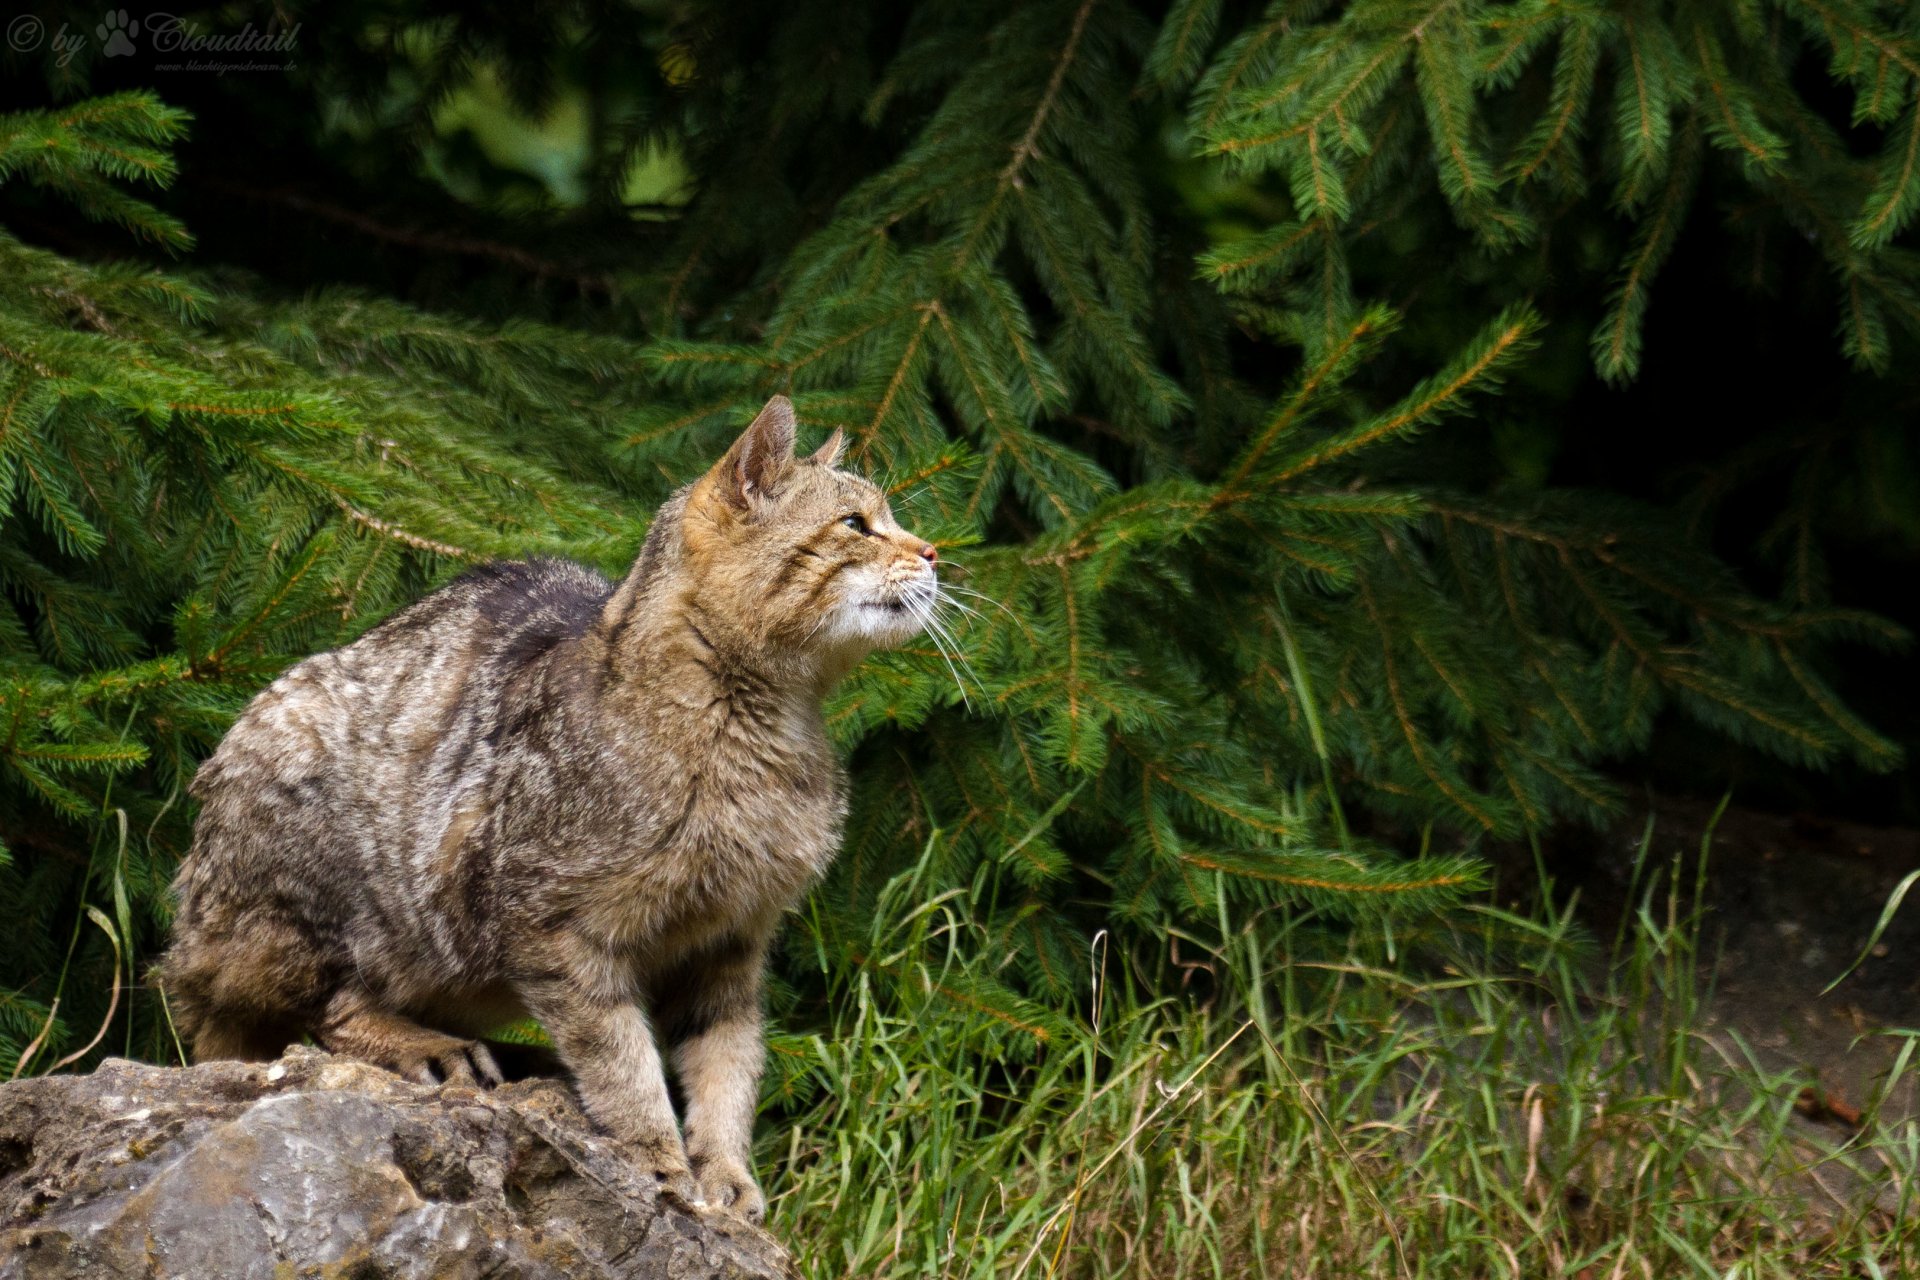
column 323, row 1167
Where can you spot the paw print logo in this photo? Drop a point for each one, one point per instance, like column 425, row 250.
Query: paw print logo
column 114, row 31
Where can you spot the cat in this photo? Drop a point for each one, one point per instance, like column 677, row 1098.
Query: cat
column 536, row 792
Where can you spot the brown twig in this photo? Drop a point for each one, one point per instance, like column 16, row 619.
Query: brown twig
column 431, row 241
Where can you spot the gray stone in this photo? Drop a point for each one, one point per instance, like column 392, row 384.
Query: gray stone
column 322, row 1167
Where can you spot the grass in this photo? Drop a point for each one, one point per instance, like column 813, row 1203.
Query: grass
column 1490, row 1095
column 1313, row 1105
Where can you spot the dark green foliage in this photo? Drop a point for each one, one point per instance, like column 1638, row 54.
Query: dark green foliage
column 1226, row 579
column 1527, row 106
column 200, row 488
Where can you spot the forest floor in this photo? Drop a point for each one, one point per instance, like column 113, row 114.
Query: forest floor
column 1790, row 905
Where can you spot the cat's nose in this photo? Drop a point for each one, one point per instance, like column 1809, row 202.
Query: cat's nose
column 928, row 553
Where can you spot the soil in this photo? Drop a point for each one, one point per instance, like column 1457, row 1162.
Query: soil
column 1791, row 902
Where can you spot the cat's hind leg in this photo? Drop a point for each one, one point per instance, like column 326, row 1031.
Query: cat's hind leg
column 356, row 1026
column 240, row 984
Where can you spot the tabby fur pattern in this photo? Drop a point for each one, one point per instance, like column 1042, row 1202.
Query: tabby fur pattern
column 538, row 792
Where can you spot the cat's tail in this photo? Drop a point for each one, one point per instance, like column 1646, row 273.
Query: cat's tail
column 238, row 986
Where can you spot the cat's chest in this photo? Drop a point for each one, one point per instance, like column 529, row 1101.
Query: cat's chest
column 736, row 850
column 710, row 790
column 715, row 764
column 707, row 820
column 753, row 813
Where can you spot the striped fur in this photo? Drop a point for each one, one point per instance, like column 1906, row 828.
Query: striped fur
column 539, row 792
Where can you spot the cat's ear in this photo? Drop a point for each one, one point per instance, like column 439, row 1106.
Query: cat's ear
column 828, row 454
column 753, row 466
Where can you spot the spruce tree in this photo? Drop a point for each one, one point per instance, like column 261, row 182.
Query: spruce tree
column 1088, row 287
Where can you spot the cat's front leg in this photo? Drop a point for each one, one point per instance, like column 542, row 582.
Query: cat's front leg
column 712, row 1015
column 604, row 1039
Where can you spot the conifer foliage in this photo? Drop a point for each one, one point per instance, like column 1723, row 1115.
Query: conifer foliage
column 200, row 489
column 1518, row 109
column 1213, row 622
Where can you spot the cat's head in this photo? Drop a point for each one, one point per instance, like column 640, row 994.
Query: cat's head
column 803, row 555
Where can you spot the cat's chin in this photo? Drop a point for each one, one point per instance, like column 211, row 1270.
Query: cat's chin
column 881, row 615
column 860, row 629
column 885, row 624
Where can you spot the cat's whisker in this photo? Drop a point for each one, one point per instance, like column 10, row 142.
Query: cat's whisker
column 978, row 595
column 936, row 625
column 959, row 652
column 939, row 627
column 953, row 627
column 960, row 612
column 943, row 600
column 958, row 683
column 937, row 632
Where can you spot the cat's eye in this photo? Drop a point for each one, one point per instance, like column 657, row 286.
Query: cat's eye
column 857, row 523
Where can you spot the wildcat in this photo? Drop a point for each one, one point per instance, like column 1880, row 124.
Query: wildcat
column 539, row 792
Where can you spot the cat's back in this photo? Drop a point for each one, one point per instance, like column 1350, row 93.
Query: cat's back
column 376, row 721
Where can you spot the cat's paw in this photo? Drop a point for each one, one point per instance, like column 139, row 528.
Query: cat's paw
column 728, row 1185
column 665, row 1165
column 421, row 1055
column 451, row 1062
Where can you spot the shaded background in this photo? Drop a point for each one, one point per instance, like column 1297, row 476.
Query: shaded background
column 628, row 169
